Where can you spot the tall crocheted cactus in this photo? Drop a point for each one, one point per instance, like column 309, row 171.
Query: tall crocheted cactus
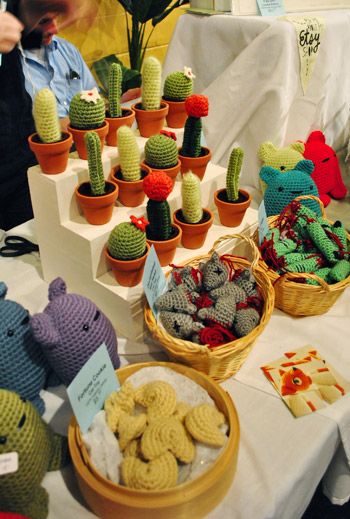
column 46, row 116
column 196, row 107
column 178, row 85
column 129, row 154
column 87, row 110
column 97, row 180
column 233, row 172
column 191, row 198
column 127, row 241
column 158, row 186
column 115, row 77
column 151, row 84
column 161, row 152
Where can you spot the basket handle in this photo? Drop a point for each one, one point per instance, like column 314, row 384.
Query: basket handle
column 228, row 237
column 316, row 199
column 290, row 276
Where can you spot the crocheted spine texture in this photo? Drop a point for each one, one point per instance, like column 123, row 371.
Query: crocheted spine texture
column 161, row 152
column 115, row 77
column 158, row 186
column 86, row 115
column 196, row 107
column 97, row 180
column 46, row 117
column 177, row 86
column 233, row 172
column 126, row 242
column 191, row 198
column 151, row 84
column 129, row 155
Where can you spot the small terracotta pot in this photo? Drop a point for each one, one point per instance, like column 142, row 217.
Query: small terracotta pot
column 194, row 234
column 78, row 138
column 177, row 114
column 197, row 165
column 131, row 194
column 52, row 157
column 128, row 273
column 171, row 172
column 126, row 119
column 166, row 249
column 150, row 122
column 231, row 214
column 97, row 210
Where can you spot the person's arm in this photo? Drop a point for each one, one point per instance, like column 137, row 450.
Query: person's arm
column 10, row 31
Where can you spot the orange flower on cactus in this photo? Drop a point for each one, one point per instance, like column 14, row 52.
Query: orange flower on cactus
column 157, row 186
column 197, row 105
column 141, row 223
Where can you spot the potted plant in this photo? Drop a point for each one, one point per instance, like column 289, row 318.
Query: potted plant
column 96, row 197
column 161, row 154
column 177, row 87
column 193, row 220
column 50, row 146
column 116, row 116
column 129, row 173
column 150, row 113
column 161, row 232
column 127, row 250
column 231, row 201
column 87, row 112
column 193, row 156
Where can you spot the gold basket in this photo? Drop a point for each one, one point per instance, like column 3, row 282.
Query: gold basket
column 300, row 299
column 223, row 361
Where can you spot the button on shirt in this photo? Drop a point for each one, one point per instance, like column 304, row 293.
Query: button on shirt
column 60, row 67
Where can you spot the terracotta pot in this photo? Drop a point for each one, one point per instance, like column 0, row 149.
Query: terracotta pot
column 231, row 214
column 128, row 273
column 197, row 165
column 166, row 249
column 150, row 122
column 177, row 114
column 131, row 194
column 194, row 234
column 171, row 172
column 78, row 138
column 97, row 209
column 53, row 157
column 126, row 119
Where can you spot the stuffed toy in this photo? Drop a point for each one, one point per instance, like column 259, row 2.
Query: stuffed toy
column 215, row 272
column 70, row 330
column 282, row 188
column 283, row 159
column 326, row 175
column 23, row 366
column 39, row 450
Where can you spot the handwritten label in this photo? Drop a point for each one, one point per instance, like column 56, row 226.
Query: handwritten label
column 271, row 7
column 263, row 223
column 153, row 280
column 8, row 463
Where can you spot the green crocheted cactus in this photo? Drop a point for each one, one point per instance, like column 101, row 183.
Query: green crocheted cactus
column 161, row 152
column 97, row 180
column 177, row 86
column 127, row 241
column 151, row 84
column 158, row 186
column 87, row 110
column 115, row 77
column 46, row 117
column 196, row 107
column 233, row 172
column 129, row 155
column 191, row 198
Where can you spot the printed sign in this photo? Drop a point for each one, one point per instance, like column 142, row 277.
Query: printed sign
column 263, row 223
column 8, row 463
column 153, row 280
column 271, row 7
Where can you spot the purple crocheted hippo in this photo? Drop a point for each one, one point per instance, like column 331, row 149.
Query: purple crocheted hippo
column 70, row 330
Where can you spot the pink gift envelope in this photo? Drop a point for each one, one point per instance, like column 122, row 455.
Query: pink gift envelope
column 305, row 381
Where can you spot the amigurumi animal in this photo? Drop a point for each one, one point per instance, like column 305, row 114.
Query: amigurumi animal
column 176, row 300
column 70, row 330
column 179, row 325
column 23, row 366
column 215, row 273
column 39, row 449
column 283, row 159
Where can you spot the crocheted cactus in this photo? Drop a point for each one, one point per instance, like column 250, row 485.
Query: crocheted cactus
column 178, row 85
column 233, row 172
column 46, row 116
column 87, row 110
column 127, row 241
column 161, row 152
column 129, row 154
column 115, row 78
column 191, row 198
column 97, row 180
column 158, row 186
column 151, row 84
column 196, row 107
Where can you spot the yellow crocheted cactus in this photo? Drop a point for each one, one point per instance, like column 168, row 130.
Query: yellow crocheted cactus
column 151, row 84
column 129, row 154
column 191, row 198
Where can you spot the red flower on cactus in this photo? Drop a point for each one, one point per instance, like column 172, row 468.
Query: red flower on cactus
column 215, row 335
column 197, row 105
column 157, row 186
column 141, row 223
column 172, row 135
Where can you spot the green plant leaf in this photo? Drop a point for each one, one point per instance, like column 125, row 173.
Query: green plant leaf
column 164, row 14
column 128, row 5
column 100, row 68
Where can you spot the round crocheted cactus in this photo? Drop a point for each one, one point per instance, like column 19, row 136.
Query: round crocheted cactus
column 97, row 180
column 158, row 186
column 177, row 86
column 233, row 172
column 196, row 107
column 129, row 154
column 151, row 84
column 46, row 116
column 127, row 241
column 115, row 77
column 191, row 198
column 87, row 110
column 161, row 152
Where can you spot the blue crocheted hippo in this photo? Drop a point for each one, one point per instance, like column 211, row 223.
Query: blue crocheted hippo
column 70, row 330
column 23, row 366
column 283, row 187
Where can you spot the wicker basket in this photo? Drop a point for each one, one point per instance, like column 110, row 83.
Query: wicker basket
column 300, row 299
column 223, row 361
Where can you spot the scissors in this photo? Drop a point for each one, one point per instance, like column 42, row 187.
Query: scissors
column 17, row 246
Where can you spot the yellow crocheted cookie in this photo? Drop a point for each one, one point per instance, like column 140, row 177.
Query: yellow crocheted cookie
column 203, row 421
column 122, row 400
column 132, row 449
column 167, row 434
column 158, row 397
column 181, row 410
column 158, row 474
column 130, row 427
column 113, row 413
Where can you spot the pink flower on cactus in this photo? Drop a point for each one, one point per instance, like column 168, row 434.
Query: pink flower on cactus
column 197, row 105
column 141, row 223
column 157, row 186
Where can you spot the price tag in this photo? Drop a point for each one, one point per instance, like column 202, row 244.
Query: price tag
column 271, row 7
column 263, row 223
column 8, row 463
column 153, row 280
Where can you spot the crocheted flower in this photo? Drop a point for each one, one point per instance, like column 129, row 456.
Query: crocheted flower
column 172, row 135
column 91, row 96
column 157, row 186
column 215, row 335
column 141, row 223
column 197, row 105
column 188, row 73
